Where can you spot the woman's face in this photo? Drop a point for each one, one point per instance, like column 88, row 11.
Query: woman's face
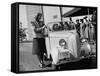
column 41, row 18
column 38, row 17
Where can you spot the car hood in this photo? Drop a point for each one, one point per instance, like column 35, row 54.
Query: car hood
column 62, row 33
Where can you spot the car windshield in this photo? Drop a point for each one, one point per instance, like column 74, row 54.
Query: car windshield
column 61, row 26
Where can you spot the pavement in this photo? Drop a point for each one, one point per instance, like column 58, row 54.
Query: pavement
column 29, row 62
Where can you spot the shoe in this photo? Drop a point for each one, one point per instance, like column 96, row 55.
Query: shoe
column 41, row 65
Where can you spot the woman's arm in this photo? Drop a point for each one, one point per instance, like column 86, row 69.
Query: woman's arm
column 41, row 28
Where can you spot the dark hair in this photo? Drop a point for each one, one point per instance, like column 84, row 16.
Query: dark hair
column 70, row 19
column 66, row 23
column 77, row 20
column 85, row 17
column 38, row 16
column 61, row 23
column 81, row 20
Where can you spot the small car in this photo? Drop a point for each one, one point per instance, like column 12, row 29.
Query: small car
column 64, row 45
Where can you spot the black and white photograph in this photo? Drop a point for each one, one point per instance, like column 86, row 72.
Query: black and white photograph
column 56, row 37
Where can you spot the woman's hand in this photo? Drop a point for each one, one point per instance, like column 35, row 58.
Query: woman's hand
column 44, row 26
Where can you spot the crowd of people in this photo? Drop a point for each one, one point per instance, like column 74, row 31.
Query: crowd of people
column 86, row 28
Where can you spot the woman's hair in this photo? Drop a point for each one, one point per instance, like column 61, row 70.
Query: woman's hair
column 38, row 17
column 85, row 17
column 70, row 19
column 81, row 20
column 77, row 20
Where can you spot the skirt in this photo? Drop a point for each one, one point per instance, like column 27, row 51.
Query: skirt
column 38, row 46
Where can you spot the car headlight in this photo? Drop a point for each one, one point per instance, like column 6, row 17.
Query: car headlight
column 62, row 42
